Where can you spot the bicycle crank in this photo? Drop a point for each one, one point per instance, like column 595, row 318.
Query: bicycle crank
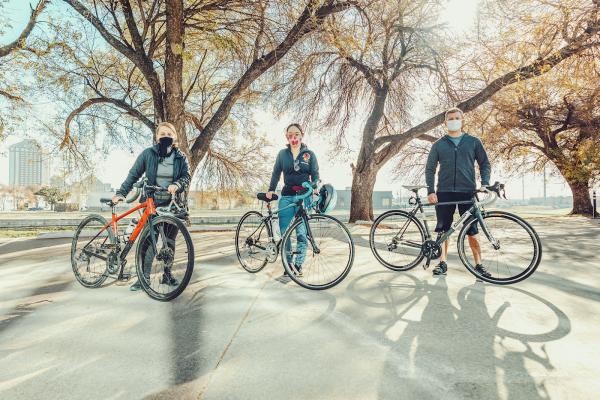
column 431, row 249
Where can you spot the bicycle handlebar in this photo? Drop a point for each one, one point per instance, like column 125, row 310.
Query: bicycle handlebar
column 493, row 193
column 310, row 186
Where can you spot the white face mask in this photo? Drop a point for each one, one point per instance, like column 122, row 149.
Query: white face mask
column 454, row 125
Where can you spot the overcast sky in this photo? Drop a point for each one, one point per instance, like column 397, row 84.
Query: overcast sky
column 459, row 16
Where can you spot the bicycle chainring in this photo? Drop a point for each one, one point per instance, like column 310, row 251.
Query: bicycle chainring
column 431, row 249
column 112, row 262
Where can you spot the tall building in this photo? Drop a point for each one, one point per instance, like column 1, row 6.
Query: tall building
column 27, row 164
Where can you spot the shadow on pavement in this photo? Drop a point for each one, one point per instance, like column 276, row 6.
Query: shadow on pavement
column 453, row 352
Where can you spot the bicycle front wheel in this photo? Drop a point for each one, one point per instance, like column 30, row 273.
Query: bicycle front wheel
column 252, row 242
column 514, row 256
column 318, row 256
column 396, row 239
column 164, row 271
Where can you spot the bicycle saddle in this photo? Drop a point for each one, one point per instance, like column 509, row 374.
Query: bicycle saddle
column 263, row 197
column 107, row 201
column 414, row 188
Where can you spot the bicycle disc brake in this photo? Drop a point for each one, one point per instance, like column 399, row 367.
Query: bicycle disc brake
column 271, row 251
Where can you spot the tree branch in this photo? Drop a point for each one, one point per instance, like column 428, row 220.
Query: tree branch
column 534, row 69
column 20, row 41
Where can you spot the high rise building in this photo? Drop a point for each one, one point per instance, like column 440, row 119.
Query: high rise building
column 27, row 164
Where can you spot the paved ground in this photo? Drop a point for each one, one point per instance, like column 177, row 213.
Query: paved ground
column 233, row 335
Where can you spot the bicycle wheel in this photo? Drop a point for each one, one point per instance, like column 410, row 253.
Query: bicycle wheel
column 164, row 274
column 252, row 242
column 90, row 250
column 517, row 255
column 328, row 262
column 396, row 239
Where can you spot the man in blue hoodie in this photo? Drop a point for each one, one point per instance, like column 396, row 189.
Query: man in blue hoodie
column 456, row 154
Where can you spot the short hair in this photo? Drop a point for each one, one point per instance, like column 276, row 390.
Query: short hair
column 452, row 111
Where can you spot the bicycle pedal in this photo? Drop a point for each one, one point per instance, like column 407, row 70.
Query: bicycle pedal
column 125, row 277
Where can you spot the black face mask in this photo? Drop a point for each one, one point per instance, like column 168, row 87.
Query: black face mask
column 165, row 146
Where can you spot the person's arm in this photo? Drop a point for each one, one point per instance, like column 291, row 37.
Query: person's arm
column 136, row 171
column 430, row 167
column 314, row 168
column 485, row 168
column 184, row 178
column 276, row 175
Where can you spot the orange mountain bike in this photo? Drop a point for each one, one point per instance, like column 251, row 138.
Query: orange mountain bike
column 164, row 256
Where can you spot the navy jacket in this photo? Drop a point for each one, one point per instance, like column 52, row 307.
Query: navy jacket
column 147, row 163
column 457, row 165
column 308, row 170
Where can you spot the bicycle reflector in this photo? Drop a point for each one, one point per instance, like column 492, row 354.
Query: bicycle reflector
column 327, row 199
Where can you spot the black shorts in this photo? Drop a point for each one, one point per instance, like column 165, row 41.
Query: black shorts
column 445, row 213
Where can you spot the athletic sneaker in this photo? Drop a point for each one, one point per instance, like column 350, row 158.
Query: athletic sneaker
column 136, row 286
column 168, row 279
column 441, row 268
column 480, row 269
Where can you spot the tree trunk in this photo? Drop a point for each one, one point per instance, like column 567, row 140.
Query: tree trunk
column 174, row 107
column 582, row 202
column 363, row 182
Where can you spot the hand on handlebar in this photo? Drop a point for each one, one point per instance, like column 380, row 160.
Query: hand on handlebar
column 172, row 189
column 117, row 198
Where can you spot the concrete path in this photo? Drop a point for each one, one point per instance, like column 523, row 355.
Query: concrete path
column 234, row 335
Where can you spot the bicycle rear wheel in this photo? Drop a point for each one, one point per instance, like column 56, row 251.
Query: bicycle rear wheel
column 515, row 257
column 252, row 242
column 323, row 265
column 396, row 239
column 90, row 249
column 164, row 274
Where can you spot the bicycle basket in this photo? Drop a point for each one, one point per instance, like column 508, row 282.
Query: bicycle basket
column 327, row 199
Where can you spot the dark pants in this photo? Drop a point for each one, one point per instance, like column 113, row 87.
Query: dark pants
column 147, row 252
column 445, row 213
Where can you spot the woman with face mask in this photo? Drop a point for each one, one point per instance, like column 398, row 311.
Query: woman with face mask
column 164, row 165
column 298, row 165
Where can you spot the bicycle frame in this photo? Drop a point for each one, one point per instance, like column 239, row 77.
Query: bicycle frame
column 149, row 212
column 474, row 211
column 300, row 214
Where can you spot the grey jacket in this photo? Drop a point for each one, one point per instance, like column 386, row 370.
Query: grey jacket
column 457, row 165
column 147, row 163
column 308, row 169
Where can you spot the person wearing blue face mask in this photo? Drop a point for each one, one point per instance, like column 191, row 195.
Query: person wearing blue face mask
column 456, row 154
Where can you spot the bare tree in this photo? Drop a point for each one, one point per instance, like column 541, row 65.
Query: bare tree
column 381, row 53
column 155, row 40
column 554, row 119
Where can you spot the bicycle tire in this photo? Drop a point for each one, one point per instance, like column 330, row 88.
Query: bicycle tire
column 301, row 280
column 189, row 265
column 530, row 269
column 238, row 250
column 373, row 244
column 101, row 221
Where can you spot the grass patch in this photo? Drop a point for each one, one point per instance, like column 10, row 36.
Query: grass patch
column 30, row 232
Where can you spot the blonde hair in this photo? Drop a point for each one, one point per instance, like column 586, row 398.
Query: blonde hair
column 452, row 111
column 169, row 125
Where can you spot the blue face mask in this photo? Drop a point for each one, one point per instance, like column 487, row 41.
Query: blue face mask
column 454, row 125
